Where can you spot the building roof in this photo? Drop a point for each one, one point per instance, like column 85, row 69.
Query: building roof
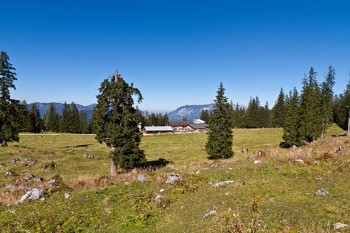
column 179, row 123
column 199, row 126
column 158, row 128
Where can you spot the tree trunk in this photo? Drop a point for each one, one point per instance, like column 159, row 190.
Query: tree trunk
column 114, row 169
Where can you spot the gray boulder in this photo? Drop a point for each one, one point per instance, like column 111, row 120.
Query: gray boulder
column 222, row 183
column 142, row 178
column 33, row 194
column 172, row 178
column 321, row 192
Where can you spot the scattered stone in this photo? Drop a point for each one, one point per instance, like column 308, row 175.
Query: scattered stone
column 211, row 212
column 51, row 182
column 71, row 149
column 321, row 192
column 33, row 194
column 66, row 195
column 12, row 211
column 198, row 172
column 182, row 207
column 9, row 173
column 29, row 162
column 14, row 160
column 10, row 186
column 222, row 183
column 51, row 164
column 339, row 225
column 317, row 162
column 29, row 177
column 159, row 198
column 142, row 178
column 340, row 149
column 161, row 190
column 2, row 165
column 299, row 161
column 87, row 156
column 104, row 179
column 257, row 161
column 38, row 179
column 172, row 178
column 126, row 183
column 244, row 150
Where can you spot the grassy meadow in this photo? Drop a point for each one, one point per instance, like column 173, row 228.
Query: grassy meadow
column 275, row 195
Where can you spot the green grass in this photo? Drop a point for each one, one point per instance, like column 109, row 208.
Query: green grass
column 282, row 188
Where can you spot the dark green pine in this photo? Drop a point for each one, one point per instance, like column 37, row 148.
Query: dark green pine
column 9, row 108
column 278, row 111
column 116, row 121
column 51, row 119
column 291, row 124
column 220, row 138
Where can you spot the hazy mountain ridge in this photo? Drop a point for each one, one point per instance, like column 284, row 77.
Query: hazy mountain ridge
column 190, row 112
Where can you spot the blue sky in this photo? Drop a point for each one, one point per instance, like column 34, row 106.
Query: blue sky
column 175, row 52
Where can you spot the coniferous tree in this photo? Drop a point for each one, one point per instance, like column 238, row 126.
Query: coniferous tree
column 342, row 108
column 278, row 111
column 238, row 117
column 219, row 144
column 74, row 119
column 205, row 115
column 327, row 99
column 265, row 116
column 65, row 119
column 291, row 125
column 9, row 108
column 84, row 123
column 25, row 118
column 310, row 108
column 117, row 120
column 36, row 119
column 51, row 119
column 252, row 115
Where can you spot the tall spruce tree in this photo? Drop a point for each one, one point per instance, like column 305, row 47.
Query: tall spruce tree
column 220, row 138
column 25, row 118
column 84, row 123
column 36, row 119
column 310, row 108
column 74, row 119
column 327, row 99
column 278, row 111
column 291, row 125
column 9, row 108
column 116, row 121
column 205, row 115
column 342, row 108
column 252, row 115
column 65, row 119
column 51, row 119
column 238, row 117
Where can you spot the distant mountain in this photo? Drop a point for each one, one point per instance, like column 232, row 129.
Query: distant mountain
column 191, row 112
column 59, row 107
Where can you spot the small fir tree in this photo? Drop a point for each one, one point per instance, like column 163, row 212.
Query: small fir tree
column 291, row 124
column 219, row 144
column 9, row 108
column 116, row 121
column 51, row 119
column 278, row 111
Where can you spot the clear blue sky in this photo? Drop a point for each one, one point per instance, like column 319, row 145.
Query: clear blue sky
column 175, row 52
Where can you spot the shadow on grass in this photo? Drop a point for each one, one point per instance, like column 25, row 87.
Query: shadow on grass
column 154, row 164
column 77, row 146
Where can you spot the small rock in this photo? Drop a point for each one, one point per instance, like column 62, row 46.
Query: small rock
column 339, row 225
column 198, row 172
column 211, row 212
column 71, row 149
column 159, row 198
column 104, row 179
column 2, row 165
column 161, row 190
column 340, row 149
column 10, row 186
column 38, row 179
column 222, row 183
column 172, row 178
column 29, row 177
column 9, row 173
column 12, row 211
column 51, row 182
column 299, row 161
column 86, row 155
column 66, row 195
column 142, row 178
column 317, row 162
column 126, row 183
column 257, row 161
column 182, row 207
column 33, row 194
column 14, row 160
column 321, row 192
